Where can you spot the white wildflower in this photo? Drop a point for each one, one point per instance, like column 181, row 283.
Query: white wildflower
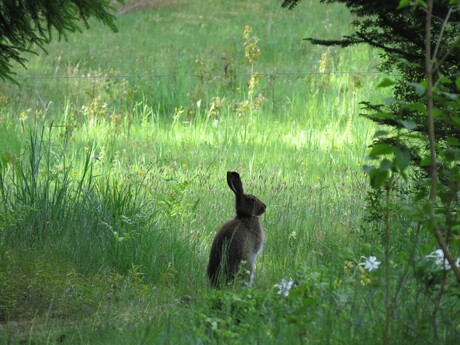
column 441, row 261
column 370, row 263
column 284, row 287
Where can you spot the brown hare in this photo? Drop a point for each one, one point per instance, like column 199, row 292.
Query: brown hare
column 240, row 239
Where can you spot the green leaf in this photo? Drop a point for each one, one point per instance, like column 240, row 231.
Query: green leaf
column 452, row 154
column 386, row 164
column 426, row 162
column 408, row 124
column 381, row 149
column 419, row 88
column 452, row 141
column 402, row 160
column 368, row 169
column 379, row 134
column 422, row 4
column 378, row 178
column 403, row 4
column 450, row 95
column 457, row 82
column 386, row 83
column 438, row 113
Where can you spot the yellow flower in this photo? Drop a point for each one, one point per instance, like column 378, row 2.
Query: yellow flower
column 184, row 166
column 349, row 264
column 141, row 172
column 87, row 149
column 365, row 280
column 337, row 282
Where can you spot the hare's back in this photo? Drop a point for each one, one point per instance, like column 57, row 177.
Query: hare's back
column 242, row 236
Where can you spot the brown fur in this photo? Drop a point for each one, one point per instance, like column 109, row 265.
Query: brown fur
column 240, row 239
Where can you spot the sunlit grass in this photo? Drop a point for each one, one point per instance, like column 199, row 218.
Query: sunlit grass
column 112, row 181
column 157, row 195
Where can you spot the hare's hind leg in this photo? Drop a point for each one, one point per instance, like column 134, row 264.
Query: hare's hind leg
column 214, row 265
column 252, row 268
column 234, row 261
column 224, row 262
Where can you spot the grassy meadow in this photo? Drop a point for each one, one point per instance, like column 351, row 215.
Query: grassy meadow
column 114, row 151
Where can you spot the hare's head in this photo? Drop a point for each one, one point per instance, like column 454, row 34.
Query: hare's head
column 247, row 205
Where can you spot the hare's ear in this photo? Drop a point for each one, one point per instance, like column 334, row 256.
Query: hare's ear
column 234, row 182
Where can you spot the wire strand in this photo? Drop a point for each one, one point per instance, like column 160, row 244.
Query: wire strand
column 175, row 75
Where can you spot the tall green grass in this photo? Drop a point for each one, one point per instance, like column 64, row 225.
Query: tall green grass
column 113, row 185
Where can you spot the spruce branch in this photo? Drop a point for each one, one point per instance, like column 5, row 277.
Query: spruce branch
column 429, row 65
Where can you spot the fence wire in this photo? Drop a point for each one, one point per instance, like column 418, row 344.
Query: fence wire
column 187, row 75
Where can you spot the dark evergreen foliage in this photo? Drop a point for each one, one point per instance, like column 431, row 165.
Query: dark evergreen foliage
column 400, row 36
column 24, row 23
